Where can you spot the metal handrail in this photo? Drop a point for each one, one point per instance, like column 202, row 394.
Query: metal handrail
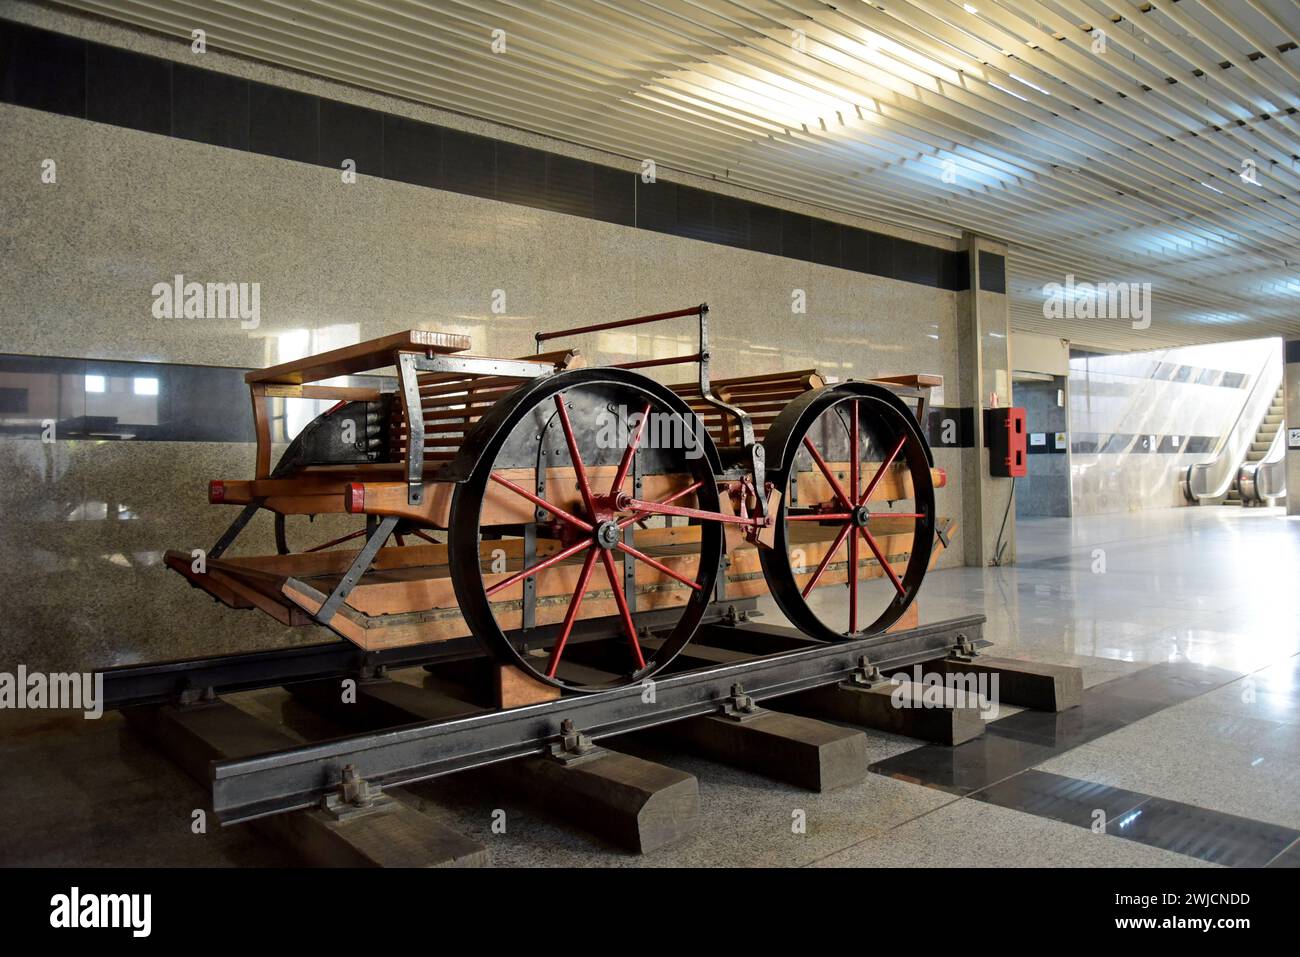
column 1212, row 480
column 1265, row 480
column 701, row 356
column 699, row 310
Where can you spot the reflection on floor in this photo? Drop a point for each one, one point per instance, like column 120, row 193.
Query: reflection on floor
column 1186, row 751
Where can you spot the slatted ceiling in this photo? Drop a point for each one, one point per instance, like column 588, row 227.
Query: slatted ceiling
column 1118, row 167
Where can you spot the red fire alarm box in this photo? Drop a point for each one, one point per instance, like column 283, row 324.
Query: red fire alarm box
column 1004, row 434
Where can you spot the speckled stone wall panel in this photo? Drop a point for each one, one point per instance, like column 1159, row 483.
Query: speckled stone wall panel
column 342, row 262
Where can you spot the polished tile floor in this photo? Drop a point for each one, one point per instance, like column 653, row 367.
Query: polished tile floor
column 1186, row 751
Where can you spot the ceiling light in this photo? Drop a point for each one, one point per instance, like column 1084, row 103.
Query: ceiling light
column 1032, row 86
column 1009, row 92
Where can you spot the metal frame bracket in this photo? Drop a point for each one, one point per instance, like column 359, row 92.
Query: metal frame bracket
column 196, row 697
column 740, row 707
column 356, row 797
column 573, row 746
column 408, row 365
column 866, row 677
column 360, row 565
column 964, row 650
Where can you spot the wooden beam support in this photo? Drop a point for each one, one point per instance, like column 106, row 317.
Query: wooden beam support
column 802, row 751
column 636, row 804
column 398, row 836
column 898, row 709
column 1027, row 684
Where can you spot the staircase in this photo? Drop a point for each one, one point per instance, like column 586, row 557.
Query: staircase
column 1263, row 439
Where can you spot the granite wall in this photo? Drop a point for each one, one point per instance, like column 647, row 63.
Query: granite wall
column 146, row 408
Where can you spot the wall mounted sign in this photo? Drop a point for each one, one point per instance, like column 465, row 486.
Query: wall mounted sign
column 1293, row 438
column 1037, row 438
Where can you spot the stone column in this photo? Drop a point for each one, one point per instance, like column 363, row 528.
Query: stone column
column 1291, row 381
column 983, row 338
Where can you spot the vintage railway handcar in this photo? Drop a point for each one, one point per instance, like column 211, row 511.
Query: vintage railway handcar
column 579, row 521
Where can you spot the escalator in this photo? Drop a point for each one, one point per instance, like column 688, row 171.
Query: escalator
column 1268, row 430
column 1248, row 467
column 1261, row 480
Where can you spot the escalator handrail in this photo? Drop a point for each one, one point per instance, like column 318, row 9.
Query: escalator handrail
column 1212, row 479
column 1268, row 475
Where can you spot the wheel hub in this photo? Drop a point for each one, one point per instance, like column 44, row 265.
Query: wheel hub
column 608, row 535
column 861, row 515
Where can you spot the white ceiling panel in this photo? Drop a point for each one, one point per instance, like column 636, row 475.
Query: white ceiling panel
column 1114, row 163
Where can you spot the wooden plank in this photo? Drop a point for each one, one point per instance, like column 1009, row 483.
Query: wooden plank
column 896, row 484
column 919, row 380
column 1028, row 684
column 398, row 837
column 514, row 688
column 633, row 803
column 501, row 506
column 412, row 579
column 362, row 357
column 337, row 393
column 447, row 623
column 802, row 751
column 183, row 563
column 910, row 618
column 276, row 607
column 886, row 707
column 262, row 431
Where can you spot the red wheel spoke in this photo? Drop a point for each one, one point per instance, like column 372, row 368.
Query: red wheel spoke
column 426, row 536
column 884, row 467
column 854, row 454
column 681, row 511
column 853, row 581
column 624, row 523
column 897, row 515
column 339, row 541
column 571, row 615
column 623, row 611
column 627, row 549
column 542, row 503
column 626, row 463
column 571, row 440
column 880, row 557
column 826, row 560
column 819, row 517
column 826, row 471
column 545, row 563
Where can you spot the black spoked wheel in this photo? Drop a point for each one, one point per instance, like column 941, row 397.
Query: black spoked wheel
column 576, row 581
column 857, row 506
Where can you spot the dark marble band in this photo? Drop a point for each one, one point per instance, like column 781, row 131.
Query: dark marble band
column 75, row 77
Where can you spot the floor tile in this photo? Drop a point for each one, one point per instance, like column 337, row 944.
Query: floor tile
column 966, row 767
column 975, row 834
column 1069, row 800
column 1204, row 834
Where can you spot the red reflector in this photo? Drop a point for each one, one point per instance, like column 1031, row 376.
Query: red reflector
column 940, row 478
column 356, row 501
column 216, row 492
